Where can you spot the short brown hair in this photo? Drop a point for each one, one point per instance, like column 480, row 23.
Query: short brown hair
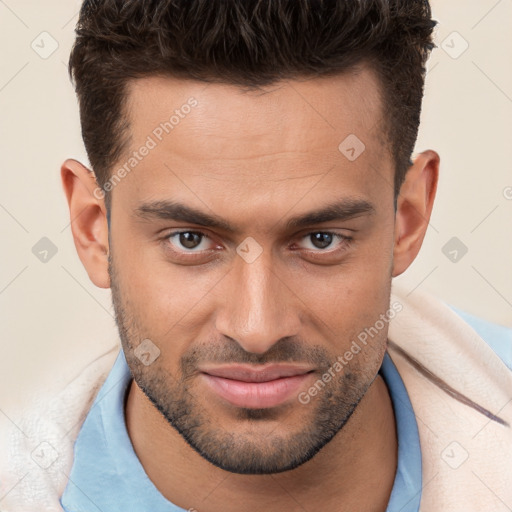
column 250, row 43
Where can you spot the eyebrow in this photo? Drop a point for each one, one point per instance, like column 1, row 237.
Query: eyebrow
column 344, row 209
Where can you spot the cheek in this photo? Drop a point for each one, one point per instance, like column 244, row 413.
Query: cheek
column 163, row 291
column 355, row 290
column 352, row 300
column 168, row 303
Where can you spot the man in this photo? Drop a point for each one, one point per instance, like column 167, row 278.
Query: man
column 252, row 198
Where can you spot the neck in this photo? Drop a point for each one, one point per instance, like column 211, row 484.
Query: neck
column 354, row 471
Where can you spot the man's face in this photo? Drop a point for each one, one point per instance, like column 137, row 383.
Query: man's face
column 256, row 290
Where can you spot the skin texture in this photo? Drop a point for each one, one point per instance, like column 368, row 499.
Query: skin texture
column 255, row 160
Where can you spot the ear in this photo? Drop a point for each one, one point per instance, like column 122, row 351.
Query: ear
column 414, row 207
column 88, row 220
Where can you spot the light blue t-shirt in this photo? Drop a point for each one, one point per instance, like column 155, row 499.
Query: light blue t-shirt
column 107, row 475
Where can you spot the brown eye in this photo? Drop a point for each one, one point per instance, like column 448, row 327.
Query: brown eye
column 324, row 240
column 188, row 241
column 321, row 240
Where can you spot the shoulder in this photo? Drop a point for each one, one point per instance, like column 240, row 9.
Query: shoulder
column 498, row 337
column 39, row 443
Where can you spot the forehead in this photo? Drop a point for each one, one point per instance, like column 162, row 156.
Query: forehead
column 264, row 121
column 258, row 143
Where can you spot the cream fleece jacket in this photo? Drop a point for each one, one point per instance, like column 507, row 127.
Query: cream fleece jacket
column 466, row 455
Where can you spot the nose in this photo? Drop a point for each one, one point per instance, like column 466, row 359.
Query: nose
column 257, row 307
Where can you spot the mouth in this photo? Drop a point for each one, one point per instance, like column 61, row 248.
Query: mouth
column 256, row 388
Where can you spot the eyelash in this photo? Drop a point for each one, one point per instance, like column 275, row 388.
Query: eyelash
column 345, row 241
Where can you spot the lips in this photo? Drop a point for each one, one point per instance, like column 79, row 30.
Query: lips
column 256, row 388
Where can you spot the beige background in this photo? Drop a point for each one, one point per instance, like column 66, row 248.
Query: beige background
column 53, row 318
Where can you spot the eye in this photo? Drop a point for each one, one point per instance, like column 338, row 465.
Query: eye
column 197, row 244
column 325, row 240
column 188, row 241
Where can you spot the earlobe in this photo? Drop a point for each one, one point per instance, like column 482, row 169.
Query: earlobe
column 414, row 207
column 88, row 218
